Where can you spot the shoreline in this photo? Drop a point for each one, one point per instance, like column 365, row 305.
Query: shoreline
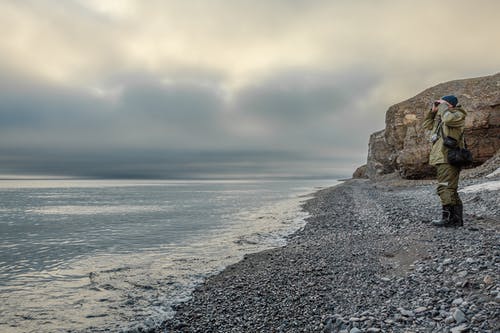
column 122, row 291
column 364, row 260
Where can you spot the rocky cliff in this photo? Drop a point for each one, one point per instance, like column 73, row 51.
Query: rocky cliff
column 403, row 145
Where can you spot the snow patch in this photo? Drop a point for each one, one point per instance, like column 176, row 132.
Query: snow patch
column 494, row 173
column 488, row 186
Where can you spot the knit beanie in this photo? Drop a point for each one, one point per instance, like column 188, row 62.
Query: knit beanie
column 450, row 99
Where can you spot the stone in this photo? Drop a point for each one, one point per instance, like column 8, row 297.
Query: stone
column 406, row 313
column 478, row 318
column 457, row 301
column 420, row 309
column 403, row 145
column 459, row 316
column 360, row 172
column 355, row 330
column 488, row 280
column 460, row 328
column 329, row 326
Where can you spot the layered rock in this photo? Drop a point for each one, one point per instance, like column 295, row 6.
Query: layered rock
column 404, row 146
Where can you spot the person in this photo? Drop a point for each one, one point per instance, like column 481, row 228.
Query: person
column 446, row 118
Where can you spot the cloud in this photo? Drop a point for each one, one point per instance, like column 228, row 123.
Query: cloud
column 140, row 163
column 304, row 109
column 77, row 41
column 137, row 113
column 140, row 124
column 304, row 82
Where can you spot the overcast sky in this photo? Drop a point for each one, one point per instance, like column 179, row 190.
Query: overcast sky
column 212, row 88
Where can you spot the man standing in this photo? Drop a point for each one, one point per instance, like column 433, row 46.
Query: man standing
column 446, row 119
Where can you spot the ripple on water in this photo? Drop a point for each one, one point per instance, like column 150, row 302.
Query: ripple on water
column 137, row 278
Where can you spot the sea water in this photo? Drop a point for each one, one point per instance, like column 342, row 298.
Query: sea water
column 96, row 255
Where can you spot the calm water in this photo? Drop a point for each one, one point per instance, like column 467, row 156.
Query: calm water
column 92, row 255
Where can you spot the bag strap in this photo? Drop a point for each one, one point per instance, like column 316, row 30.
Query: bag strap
column 439, row 127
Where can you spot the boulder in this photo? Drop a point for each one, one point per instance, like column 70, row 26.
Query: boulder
column 360, row 172
column 403, row 146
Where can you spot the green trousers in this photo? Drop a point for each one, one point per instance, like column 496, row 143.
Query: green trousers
column 447, row 176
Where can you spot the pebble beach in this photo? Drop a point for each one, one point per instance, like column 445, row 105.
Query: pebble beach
column 367, row 260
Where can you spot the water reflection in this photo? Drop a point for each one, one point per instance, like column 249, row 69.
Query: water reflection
column 90, row 258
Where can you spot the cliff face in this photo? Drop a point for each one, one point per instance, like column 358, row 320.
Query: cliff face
column 403, row 146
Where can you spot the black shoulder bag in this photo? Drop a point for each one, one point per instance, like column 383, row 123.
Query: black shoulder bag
column 459, row 157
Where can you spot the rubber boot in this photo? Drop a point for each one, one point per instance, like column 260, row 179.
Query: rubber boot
column 446, row 217
column 458, row 215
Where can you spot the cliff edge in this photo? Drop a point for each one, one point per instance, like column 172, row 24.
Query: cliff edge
column 403, row 147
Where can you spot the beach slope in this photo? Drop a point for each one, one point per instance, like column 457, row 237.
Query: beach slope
column 367, row 259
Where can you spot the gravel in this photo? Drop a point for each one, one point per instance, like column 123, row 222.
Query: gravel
column 366, row 261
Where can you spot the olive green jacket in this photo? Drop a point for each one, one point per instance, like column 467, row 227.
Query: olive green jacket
column 453, row 126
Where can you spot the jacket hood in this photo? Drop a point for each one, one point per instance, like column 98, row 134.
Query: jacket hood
column 459, row 108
